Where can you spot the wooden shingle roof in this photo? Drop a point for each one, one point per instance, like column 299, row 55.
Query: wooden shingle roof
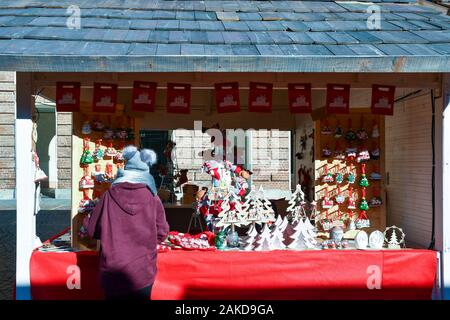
column 278, row 36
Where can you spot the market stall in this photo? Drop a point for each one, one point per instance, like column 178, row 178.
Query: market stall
column 340, row 236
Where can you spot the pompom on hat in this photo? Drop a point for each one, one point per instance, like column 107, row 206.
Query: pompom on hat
column 137, row 165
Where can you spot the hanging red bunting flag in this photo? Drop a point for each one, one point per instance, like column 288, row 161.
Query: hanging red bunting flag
column 67, row 96
column 260, row 97
column 144, row 94
column 227, row 97
column 338, row 98
column 178, row 98
column 300, row 97
column 105, row 97
column 383, row 99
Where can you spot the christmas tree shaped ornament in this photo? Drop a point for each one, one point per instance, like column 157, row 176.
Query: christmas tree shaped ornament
column 265, row 207
column 338, row 131
column 301, row 238
column 363, row 181
column 86, row 157
column 363, row 154
column 350, row 135
column 340, row 198
column 363, row 205
column 327, row 203
column 326, row 130
column 310, row 228
column 296, row 202
column 98, row 151
column 326, row 152
column 339, row 152
column 328, row 177
column 394, row 237
column 263, row 241
column 86, row 128
column 277, row 240
column 362, row 135
column 375, row 174
column 248, row 242
column 351, row 200
column 375, row 131
column 376, row 200
column 351, row 177
column 110, row 151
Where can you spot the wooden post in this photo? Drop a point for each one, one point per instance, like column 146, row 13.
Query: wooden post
column 443, row 216
column 25, row 186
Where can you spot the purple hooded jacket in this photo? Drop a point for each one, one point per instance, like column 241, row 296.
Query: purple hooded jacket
column 129, row 221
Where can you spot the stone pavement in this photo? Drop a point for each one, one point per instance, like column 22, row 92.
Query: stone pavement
column 53, row 218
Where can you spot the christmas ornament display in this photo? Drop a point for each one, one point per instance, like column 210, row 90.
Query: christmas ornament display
column 86, row 157
column 351, row 177
column 97, row 125
column 326, row 129
column 351, row 200
column 327, row 203
column 375, row 131
column 340, row 198
column 363, row 205
column 98, row 151
column 376, row 240
column 363, row 181
column 339, row 153
column 376, row 200
column 110, row 151
column 328, row 177
column 338, row 131
column 326, row 152
column 86, row 204
column 98, row 174
column 86, row 181
column 350, row 135
column 86, row 128
column 363, row 155
column 394, row 237
column 361, row 240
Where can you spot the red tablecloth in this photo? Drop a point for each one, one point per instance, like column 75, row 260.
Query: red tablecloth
column 328, row 274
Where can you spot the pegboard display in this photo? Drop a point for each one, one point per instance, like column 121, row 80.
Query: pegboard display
column 97, row 141
column 349, row 171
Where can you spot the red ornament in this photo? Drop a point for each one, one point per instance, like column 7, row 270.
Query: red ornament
column 227, row 97
column 338, row 98
column 300, row 97
column 105, row 97
column 260, row 97
column 178, row 98
column 68, row 96
column 144, row 96
column 383, row 99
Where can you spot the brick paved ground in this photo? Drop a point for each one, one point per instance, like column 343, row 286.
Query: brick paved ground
column 54, row 218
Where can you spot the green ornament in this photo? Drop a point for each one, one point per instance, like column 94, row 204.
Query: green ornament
column 98, row 154
column 339, row 178
column 350, row 135
column 130, row 134
column 351, row 178
column 363, row 182
column 220, row 240
column 364, row 206
column 86, row 157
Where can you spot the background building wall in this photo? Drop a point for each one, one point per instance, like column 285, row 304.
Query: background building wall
column 7, row 111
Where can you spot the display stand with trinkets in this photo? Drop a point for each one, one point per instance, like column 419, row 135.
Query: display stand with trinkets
column 354, row 181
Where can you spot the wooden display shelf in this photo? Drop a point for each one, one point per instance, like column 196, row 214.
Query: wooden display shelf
column 377, row 216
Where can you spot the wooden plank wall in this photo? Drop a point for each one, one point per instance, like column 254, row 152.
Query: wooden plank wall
column 409, row 166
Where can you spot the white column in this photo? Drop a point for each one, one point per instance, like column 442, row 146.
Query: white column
column 443, row 218
column 25, row 187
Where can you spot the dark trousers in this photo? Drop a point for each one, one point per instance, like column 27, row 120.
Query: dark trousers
column 141, row 294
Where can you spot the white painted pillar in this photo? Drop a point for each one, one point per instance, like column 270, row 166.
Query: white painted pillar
column 443, row 218
column 25, row 187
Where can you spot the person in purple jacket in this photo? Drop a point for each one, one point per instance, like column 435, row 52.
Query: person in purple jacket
column 129, row 220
